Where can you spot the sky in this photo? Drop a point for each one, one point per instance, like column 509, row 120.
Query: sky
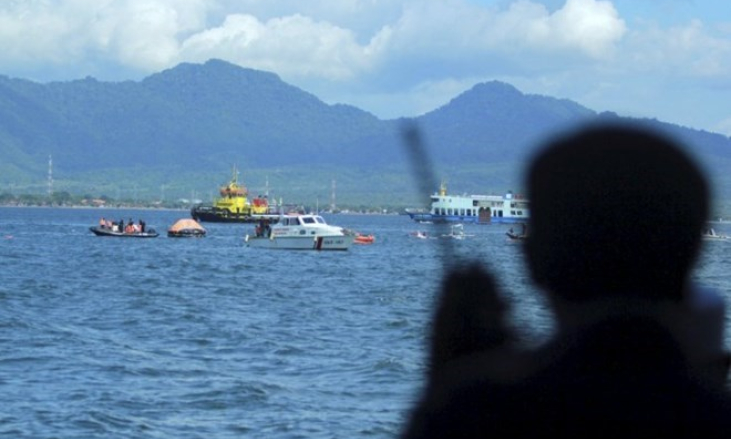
column 665, row 59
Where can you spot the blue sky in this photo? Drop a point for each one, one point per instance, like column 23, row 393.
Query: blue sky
column 668, row 59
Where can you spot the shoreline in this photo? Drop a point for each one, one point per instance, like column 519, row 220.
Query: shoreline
column 173, row 209
column 12, row 206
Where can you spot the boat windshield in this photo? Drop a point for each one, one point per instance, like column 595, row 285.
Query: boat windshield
column 308, row 220
column 319, row 220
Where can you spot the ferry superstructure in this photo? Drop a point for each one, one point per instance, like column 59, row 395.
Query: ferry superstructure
column 508, row 208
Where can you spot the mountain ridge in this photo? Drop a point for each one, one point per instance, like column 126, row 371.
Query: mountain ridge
column 185, row 127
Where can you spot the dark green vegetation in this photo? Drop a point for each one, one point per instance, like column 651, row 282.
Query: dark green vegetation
column 177, row 134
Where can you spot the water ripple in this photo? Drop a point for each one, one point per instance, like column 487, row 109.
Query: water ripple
column 207, row 338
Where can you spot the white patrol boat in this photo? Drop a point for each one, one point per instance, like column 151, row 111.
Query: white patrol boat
column 479, row 209
column 299, row 232
column 709, row 234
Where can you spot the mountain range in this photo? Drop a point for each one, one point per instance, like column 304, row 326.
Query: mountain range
column 180, row 132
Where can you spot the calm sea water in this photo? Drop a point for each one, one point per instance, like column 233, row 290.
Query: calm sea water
column 205, row 338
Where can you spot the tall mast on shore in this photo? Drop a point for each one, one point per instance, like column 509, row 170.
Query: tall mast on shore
column 332, row 197
column 50, row 176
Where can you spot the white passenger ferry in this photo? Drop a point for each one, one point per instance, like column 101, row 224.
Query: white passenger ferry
column 480, row 209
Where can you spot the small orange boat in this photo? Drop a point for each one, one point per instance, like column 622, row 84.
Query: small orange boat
column 186, row 228
column 364, row 239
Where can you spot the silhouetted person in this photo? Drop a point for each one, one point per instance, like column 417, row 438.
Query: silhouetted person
column 616, row 220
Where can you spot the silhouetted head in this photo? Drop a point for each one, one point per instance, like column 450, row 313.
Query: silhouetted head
column 615, row 210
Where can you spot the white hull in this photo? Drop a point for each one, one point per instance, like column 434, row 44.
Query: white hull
column 711, row 235
column 715, row 238
column 339, row 242
column 300, row 232
column 477, row 209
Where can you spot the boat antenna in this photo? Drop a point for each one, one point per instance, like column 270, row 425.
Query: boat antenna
column 423, row 171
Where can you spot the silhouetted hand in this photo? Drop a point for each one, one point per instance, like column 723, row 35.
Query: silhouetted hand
column 470, row 317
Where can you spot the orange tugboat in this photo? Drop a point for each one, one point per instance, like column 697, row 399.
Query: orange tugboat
column 234, row 206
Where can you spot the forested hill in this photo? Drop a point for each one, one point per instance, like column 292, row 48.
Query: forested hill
column 192, row 115
column 184, row 128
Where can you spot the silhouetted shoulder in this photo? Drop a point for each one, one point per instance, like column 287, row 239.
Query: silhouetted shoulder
column 598, row 382
column 616, row 220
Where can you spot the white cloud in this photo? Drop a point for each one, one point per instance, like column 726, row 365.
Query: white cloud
column 364, row 17
column 135, row 33
column 590, row 27
column 153, row 34
column 292, row 46
column 391, row 57
column 688, row 50
column 144, row 34
column 32, row 33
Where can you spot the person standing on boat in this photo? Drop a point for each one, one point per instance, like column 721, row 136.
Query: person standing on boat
column 631, row 355
column 267, row 228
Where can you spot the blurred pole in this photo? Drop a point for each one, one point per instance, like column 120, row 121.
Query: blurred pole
column 422, row 169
